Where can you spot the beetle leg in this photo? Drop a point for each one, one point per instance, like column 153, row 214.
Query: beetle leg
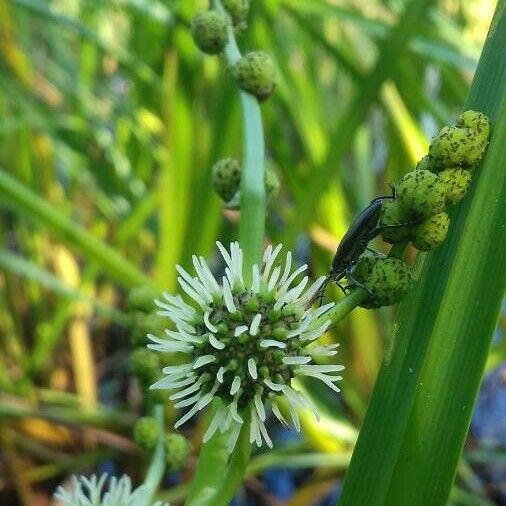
column 356, row 282
column 380, row 228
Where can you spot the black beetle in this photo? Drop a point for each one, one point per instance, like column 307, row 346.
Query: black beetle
column 363, row 229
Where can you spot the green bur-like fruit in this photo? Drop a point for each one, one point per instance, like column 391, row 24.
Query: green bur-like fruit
column 478, row 122
column 426, row 163
column 141, row 299
column 392, row 214
column 463, row 144
column 146, row 433
column 255, row 73
column 177, row 450
column 420, row 194
column 364, row 265
column 388, row 282
column 456, row 182
column 430, row 233
column 226, row 176
column 209, row 31
column 238, row 10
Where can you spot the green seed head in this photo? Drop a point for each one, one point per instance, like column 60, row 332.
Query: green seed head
column 476, row 121
column 238, row 10
column 271, row 184
column 254, row 73
column 209, row 31
column 426, row 163
column 177, row 450
column 145, row 364
column 389, row 281
column 457, row 146
column 392, row 214
column 226, row 176
column 366, row 262
column 420, row 194
column 146, row 433
column 456, row 183
column 430, row 233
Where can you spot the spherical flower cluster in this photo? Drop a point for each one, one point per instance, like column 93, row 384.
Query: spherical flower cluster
column 244, row 342
column 226, row 178
column 94, row 492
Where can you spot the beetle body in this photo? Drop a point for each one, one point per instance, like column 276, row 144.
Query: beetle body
column 363, row 229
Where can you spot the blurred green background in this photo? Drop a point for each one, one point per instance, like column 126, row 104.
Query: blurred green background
column 111, row 120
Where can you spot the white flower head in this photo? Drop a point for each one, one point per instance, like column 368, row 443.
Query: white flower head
column 94, row 492
column 244, row 343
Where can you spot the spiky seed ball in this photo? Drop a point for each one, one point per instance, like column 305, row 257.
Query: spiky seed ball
column 478, row 122
column 426, row 163
column 238, row 10
column 392, row 214
column 457, row 146
column 209, row 31
column 177, row 450
column 456, row 183
column 146, row 433
column 389, row 281
column 420, row 194
column 255, row 73
column 271, row 184
column 430, row 233
column 145, row 364
column 226, row 176
column 364, row 265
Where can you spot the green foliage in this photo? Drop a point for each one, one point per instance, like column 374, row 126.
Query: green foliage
column 111, row 122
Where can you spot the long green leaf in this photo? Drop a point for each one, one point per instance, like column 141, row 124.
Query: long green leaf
column 420, row 411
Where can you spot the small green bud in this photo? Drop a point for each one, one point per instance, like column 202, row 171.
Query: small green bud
column 477, row 121
column 177, row 450
column 457, row 146
column 430, row 233
column 392, row 214
column 226, row 176
column 254, row 73
column 456, row 183
column 209, row 31
column 389, row 281
column 252, row 304
column 145, row 364
column 363, row 267
column 420, row 194
column 141, row 298
column 238, row 10
column 271, row 184
column 146, row 432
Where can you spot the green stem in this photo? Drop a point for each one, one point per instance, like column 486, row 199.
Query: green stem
column 156, row 467
column 237, row 467
column 253, row 211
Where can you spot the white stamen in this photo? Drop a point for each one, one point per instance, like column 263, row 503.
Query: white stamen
column 271, row 343
column 227, row 296
column 259, row 406
column 252, row 368
column 220, row 373
column 215, row 343
column 208, row 323
column 255, row 283
column 203, row 360
column 273, row 386
column 236, row 384
column 239, row 330
column 255, row 324
column 296, row 360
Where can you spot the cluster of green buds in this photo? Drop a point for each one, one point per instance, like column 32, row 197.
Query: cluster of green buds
column 254, row 72
column 439, row 181
column 417, row 213
column 226, row 177
column 147, row 432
